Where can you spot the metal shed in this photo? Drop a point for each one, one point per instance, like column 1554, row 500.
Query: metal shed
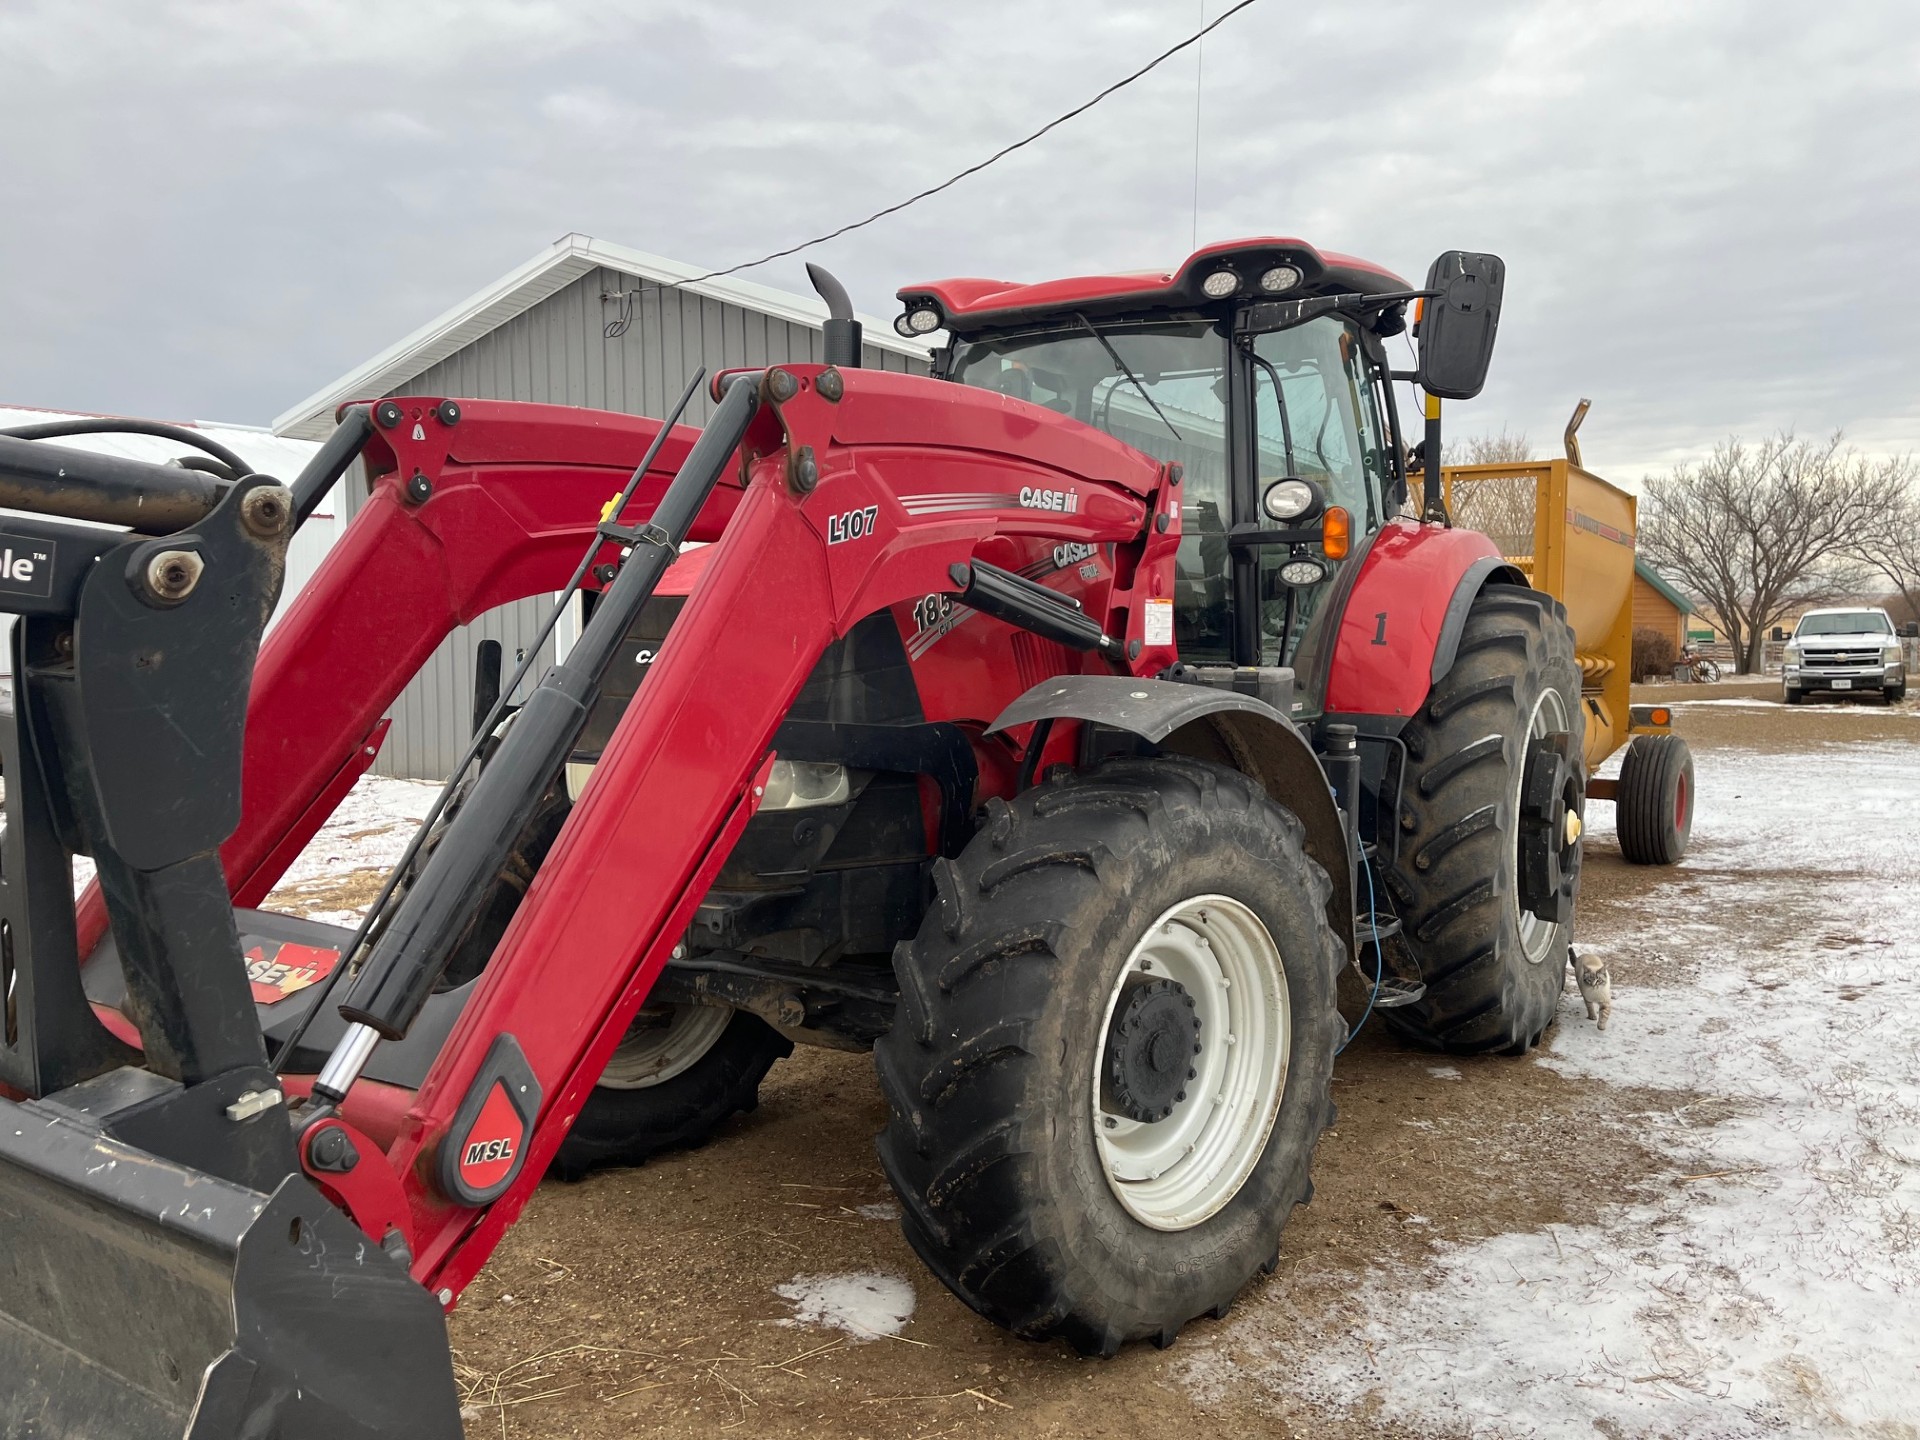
column 583, row 323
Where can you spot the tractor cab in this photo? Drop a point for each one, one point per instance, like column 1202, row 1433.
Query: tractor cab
column 1261, row 367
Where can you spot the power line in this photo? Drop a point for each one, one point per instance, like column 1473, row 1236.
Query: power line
column 1199, row 63
column 997, row 155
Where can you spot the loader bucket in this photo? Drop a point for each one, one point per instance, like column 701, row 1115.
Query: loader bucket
column 141, row 1298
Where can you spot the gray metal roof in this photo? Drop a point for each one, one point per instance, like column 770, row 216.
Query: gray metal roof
column 569, row 257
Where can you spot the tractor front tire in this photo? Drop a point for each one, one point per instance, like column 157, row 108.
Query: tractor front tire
column 1653, row 814
column 1493, row 971
column 680, row 1072
column 1112, row 1057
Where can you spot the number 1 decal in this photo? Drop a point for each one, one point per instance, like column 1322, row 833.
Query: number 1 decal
column 1379, row 627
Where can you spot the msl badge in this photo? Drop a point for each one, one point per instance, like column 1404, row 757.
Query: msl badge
column 486, row 1145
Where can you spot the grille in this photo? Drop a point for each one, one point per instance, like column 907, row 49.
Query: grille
column 1839, row 659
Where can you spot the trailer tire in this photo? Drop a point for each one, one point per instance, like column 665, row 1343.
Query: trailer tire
column 1036, row 998
column 1653, row 815
column 1493, row 972
column 626, row 1123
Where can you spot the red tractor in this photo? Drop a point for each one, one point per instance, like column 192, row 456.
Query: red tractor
column 1062, row 727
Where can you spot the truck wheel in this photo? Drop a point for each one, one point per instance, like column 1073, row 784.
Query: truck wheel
column 1654, row 812
column 1493, row 970
column 1794, row 696
column 680, row 1071
column 1112, row 1056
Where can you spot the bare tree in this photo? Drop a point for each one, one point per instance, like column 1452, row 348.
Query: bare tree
column 1758, row 531
column 1500, row 507
column 1892, row 545
column 1501, row 449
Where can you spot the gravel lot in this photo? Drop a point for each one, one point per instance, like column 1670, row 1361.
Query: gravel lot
column 1703, row 1222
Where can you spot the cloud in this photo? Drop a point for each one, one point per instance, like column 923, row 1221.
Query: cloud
column 1705, row 209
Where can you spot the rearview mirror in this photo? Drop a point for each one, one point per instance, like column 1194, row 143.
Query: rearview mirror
column 1458, row 323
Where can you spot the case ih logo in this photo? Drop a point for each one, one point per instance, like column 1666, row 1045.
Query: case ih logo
column 277, row 969
column 1067, row 500
column 854, row 525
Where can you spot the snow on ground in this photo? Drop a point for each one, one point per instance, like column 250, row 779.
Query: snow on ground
column 335, row 875
column 868, row 1306
column 1774, row 1287
column 1823, row 706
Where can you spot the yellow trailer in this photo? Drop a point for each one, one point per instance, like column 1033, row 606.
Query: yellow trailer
column 1573, row 535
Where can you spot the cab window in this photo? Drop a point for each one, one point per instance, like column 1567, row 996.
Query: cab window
column 1317, row 416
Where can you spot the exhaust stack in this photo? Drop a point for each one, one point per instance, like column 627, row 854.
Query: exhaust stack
column 842, row 330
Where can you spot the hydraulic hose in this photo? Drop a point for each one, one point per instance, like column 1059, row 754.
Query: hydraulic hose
column 410, row 953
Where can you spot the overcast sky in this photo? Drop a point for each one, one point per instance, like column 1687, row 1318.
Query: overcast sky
column 1708, row 209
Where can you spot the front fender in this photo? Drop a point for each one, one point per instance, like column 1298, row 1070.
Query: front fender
column 1400, row 626
column 1221, row 726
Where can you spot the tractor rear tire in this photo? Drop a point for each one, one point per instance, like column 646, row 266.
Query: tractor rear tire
column 632, row 1116
column 1653, row 814
column 1047, row 1005
column 1493, row 972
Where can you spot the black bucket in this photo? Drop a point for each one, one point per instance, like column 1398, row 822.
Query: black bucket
column 141, row 1298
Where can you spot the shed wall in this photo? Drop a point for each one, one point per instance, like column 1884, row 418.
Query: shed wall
column 1653, row 611
column 558, row 353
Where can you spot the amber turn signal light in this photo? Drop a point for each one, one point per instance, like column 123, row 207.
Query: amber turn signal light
column 1336, row 532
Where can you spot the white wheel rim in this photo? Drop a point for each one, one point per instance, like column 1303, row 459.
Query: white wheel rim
column 665, row 1041
column 1537, row 936
column 1175, row 1173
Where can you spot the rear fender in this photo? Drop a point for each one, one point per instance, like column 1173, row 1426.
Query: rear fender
column 1220, row 726
column 1399, row 628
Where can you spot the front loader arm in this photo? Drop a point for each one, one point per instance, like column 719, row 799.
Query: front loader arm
column 834, row 509
column 791, row 574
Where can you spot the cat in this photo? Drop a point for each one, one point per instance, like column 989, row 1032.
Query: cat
column 1596, row 986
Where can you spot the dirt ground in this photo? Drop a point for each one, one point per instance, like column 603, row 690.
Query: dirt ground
column 643, row 1302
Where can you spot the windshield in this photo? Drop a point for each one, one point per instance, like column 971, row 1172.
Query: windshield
column 1180, row 367
column 1844, row 622
column 1177, row 410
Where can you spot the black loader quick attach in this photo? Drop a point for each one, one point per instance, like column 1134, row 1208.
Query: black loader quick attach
column 165, row 1269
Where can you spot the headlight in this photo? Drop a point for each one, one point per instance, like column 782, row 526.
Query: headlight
column 792, row 784
column 1791, row 655
column 1220, row 284
column 1891, row 655
column 1303, row 572
column 1291, row 499
column 803, row 784
column 922, row 320
column 1278, row 278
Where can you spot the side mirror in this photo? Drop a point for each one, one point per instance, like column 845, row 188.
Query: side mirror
column 1910, row 629
column 1457, row 325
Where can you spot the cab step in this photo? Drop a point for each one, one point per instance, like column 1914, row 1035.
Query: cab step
column 1374, row 928
column 1395, row 992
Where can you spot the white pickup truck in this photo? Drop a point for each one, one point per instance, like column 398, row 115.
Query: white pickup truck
column 1844, row 650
